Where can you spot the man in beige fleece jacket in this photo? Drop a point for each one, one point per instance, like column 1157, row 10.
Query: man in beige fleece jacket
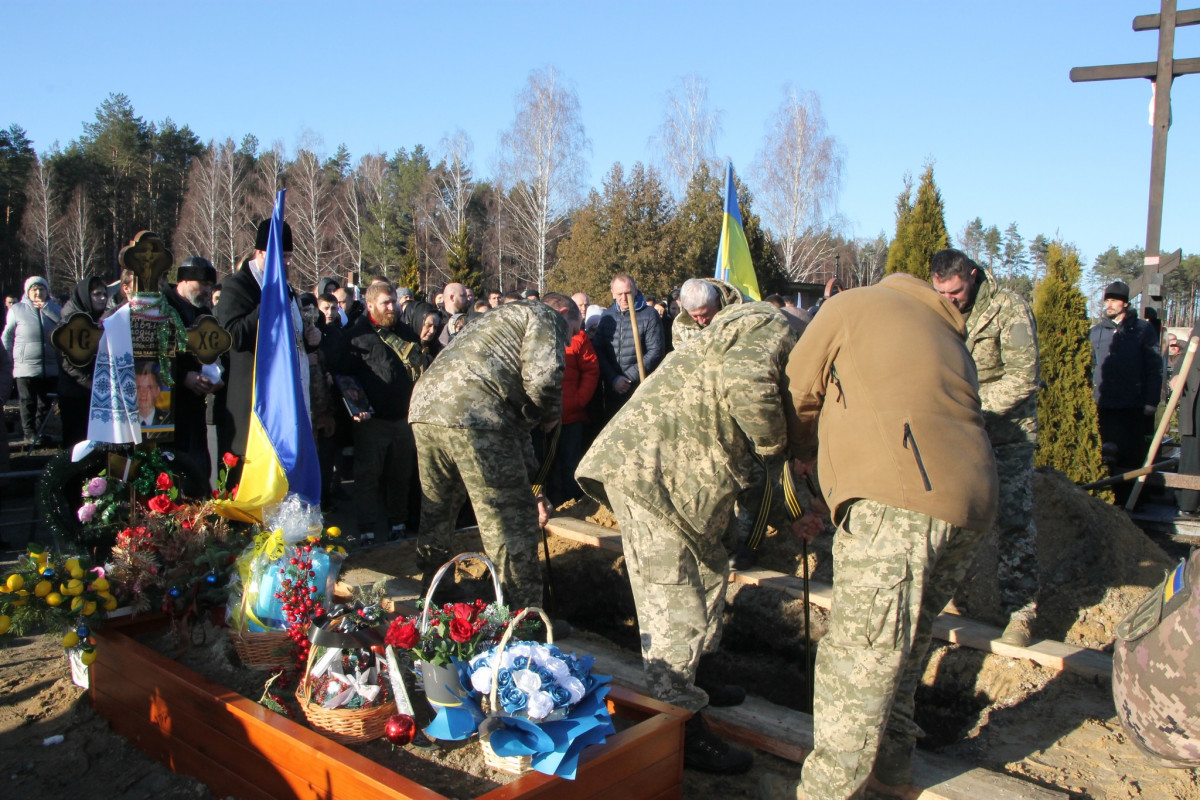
column 883, row 380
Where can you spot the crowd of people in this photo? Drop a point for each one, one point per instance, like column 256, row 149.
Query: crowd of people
column 909, row 405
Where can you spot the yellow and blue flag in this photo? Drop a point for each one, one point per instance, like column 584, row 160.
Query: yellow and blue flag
column 281, row 454
column 733, row 254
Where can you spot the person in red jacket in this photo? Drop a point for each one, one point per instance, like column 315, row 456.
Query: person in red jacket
column 581, row 376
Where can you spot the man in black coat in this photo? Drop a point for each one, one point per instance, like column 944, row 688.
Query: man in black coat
column 191, row 297
column 372, row 351
column 1126, row 377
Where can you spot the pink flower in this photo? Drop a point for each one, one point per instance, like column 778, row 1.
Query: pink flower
column 96, row 487
column 86, row 512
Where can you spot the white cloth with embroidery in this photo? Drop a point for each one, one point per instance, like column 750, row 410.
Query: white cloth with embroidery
column 114, row 414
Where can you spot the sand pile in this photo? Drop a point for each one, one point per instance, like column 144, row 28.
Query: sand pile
column 1095, row 565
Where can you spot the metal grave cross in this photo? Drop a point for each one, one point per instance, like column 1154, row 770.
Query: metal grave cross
column 1160, row 73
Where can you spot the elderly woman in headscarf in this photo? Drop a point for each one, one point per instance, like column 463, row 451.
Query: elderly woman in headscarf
column 75, row 383
column 35, row 361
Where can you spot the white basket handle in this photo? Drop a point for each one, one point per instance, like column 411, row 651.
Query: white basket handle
column 508, row 634
column 437, row 578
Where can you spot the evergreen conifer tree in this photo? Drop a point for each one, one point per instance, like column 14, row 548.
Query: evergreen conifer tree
column 463, row 263
column 924, row 230
column 898, row 250
column 1068, row 427
column 410, row 273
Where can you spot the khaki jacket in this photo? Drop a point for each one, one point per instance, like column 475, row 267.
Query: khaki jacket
column 883, row 380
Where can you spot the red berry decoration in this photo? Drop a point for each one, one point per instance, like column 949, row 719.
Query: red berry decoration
column 400, row 729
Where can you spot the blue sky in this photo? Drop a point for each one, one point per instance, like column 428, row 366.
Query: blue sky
column 979, row 88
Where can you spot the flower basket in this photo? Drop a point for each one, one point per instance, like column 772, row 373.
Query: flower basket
column 343, row 725
column 265, row 650
column 513, row 765
column 544, row 707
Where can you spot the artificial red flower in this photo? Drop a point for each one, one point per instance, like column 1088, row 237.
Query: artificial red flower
column 461, row 631
column 163, row 482
column 465, row 611
column 402, row 635
column 161, row 504
column 229, row 460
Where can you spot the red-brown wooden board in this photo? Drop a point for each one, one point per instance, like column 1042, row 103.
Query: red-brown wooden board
column 241, row 749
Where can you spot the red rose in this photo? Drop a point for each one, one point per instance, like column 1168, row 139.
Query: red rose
column 161, row 504
column 464, row 611
column 229, row 460
column 461, row 631
column 163, row 482
column 402, row 635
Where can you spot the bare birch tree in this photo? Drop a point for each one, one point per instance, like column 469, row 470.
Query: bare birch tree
column 200, row 229
column 39, row 226
column 452, row 187
column 269, row 179
column 798, row 172
column 541, row 163
column 349, row 228
column 310, row 207
column 687, row 137
column 237, row 227
column 80, row 242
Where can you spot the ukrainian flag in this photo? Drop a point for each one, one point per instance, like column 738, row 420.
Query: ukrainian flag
column 281, row 455
column 733, row 255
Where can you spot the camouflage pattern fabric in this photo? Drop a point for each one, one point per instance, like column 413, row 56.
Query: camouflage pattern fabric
column 679, row 591
column 1015, row 532
column 706, row 425
column 702, row 427
column 1002, row 338
column 503, row 372
column 1155, row 664
column 493, row 468
column 894, row 572
column 684, row 328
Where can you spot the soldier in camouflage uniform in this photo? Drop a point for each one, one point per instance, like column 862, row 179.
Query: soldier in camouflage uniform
column 908, row 471
column 670, row 465
column 1155, row 664
column 472, row 413
column 1002, row 339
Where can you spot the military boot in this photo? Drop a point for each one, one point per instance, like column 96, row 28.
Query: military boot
column 1019, row 632
column 704, row 751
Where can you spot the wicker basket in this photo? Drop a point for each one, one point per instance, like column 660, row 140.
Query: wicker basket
column 343, row 725
column 265, row 650
column 513, row 765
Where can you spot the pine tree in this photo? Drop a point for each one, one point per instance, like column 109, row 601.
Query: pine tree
column 1068, row 430
column 921, row 232
column 410, row 273
column 463, row 262
column 898, row 250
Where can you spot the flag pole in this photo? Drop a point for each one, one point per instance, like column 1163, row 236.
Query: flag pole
column 637, row 341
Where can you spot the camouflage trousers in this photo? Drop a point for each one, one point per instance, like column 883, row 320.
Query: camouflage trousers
column 491, row 468
column 679, row 591
column 1016, row 535
column 894, row 571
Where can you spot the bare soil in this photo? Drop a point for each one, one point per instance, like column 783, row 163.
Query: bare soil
column 1057, row 729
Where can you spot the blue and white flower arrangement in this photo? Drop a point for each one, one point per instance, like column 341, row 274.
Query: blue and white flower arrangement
column 536, row 681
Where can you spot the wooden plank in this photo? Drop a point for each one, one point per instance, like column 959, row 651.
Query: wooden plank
column 787, row 733
column 948, row 627
column 1149, row 22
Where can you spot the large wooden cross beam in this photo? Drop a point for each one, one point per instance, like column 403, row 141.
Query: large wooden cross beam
column 1160, row 73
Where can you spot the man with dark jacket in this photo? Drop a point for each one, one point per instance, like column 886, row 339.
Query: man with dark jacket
column 906, row 467
column 1126, row 377
column 615, row 345
column 75, row 383
column 370, row 350
column 191, row 296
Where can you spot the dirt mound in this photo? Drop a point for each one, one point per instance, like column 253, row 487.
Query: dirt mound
column 1095, row 565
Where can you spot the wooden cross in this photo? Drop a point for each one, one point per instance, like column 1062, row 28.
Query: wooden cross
column 1160, row 73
